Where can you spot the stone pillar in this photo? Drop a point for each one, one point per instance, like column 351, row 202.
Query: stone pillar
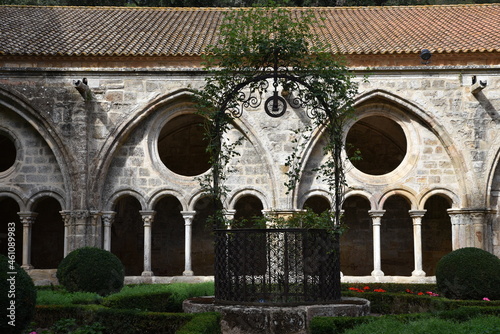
column 66, row 217
column 80, row 222
column 188, row 233
column 478, row 231
column 27, row 219
column 376, row 216
column 107, row 219
column 147, row 218
column 456, row 221
column 416, row 216
column 95, row 237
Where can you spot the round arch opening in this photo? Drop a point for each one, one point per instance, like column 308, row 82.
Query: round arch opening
column 9, row 152
column 376, row 145
column 182, row 146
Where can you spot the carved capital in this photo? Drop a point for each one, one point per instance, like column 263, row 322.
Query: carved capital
column 147, row 217
column 27, row 217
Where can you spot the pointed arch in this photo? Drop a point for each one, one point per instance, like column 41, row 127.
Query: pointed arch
column 11, row 101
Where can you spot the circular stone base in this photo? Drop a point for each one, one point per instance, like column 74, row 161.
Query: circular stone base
column 242, row 319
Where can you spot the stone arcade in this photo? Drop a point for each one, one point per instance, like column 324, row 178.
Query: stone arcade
column 113, row 164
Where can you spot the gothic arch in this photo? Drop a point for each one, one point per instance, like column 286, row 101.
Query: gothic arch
column 380, row 96
column 105, row 155
column 18, row 105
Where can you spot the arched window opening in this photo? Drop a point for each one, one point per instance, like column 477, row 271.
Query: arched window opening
column 317, row 204
column 436, row 233
column 47, row 235
column 127, row 235
column 356, row 243
column 167, row 251
column 248, row 210
column 381, row 143
column 396, row 238
column 182, row 146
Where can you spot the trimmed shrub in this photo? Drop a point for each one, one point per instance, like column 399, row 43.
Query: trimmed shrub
column 469, row 273
column 18, row 297
column 91, row 269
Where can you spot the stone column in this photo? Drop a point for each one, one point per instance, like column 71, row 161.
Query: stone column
column 80, row 222
column 27, row 219
column 107, row 220
column 188, row 233
column 457, row 228
column 416, row 216
column 95, row 237
column 478, row 232
column 376, row 216
column 66, row 217
column 147, row 218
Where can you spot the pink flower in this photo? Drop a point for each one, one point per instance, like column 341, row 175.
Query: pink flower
column 486, row 299
column 379, row 290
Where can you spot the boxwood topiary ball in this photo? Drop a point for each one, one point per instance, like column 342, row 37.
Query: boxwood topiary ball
column 18, row 297
column 469, row 273
column 91, row 269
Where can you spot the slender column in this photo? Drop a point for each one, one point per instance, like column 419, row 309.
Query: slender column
column 147, row 218
column 416, row 216
column 107, row 220
column 27, row 219
column 376, row 216
column 66, row 217
column 188, row 219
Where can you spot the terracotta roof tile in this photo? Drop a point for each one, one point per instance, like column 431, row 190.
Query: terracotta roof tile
column 121, row 31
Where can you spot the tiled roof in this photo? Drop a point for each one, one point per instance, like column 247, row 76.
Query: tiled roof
column 122, row 31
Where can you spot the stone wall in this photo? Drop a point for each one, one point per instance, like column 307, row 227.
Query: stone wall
column 89, row 155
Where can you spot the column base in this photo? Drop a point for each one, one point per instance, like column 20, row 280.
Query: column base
column 147, row 273
column 376, row 273
column 418, row 273
column 187, row 273
column 27, row 267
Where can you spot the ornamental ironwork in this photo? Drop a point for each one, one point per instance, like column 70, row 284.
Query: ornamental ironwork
column 276, row 266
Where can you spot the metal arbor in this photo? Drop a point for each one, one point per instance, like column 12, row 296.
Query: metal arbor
column 277, row 266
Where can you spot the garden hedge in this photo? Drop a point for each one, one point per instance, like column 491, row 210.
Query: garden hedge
column 338, row 325
column 128, row 321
